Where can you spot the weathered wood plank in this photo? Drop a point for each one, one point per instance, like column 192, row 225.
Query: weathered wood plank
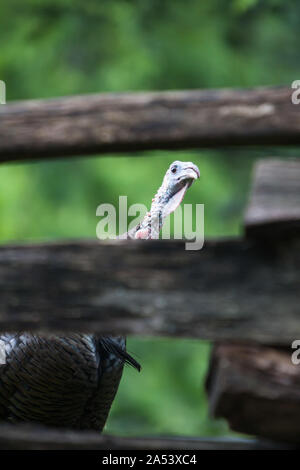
column 274, row 207
column 257, row 389
column 38, row 438
column 142, row 121
column 230, row 290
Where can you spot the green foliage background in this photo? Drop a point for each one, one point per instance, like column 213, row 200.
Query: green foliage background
column 51, row 48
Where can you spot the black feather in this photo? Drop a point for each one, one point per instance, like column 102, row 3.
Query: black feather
column 110, row 346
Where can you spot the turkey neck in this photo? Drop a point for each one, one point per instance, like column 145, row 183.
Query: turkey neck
column 153, row 221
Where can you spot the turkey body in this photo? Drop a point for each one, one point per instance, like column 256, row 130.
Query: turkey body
column 63, row 381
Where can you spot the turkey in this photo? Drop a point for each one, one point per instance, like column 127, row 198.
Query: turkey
column 71, row 380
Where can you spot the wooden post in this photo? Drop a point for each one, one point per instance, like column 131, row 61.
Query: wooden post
column 257, row 388
column 274, row 206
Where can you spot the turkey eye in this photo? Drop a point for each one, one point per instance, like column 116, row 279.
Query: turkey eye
column 174, row 169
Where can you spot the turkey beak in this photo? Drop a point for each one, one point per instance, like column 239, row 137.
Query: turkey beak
column 191, row 173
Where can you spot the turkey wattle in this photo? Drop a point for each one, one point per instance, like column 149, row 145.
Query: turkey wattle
column 71, row 381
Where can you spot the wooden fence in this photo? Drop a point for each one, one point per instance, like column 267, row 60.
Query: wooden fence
column 241, row 293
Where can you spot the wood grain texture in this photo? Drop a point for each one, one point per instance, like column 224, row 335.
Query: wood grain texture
column 257, row 389
column 38, row 438
column 106, row 123
column 274, row 207
column 229, row 290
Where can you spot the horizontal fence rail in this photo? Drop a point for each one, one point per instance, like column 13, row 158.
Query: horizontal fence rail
column 36, row 437
column 143, row 121
column 231, row 290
